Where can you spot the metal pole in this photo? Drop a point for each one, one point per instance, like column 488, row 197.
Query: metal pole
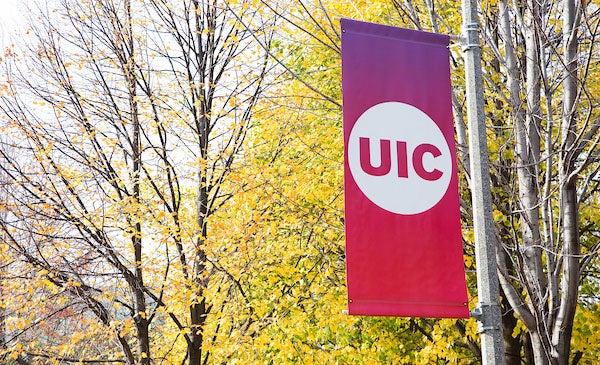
column 488, row 308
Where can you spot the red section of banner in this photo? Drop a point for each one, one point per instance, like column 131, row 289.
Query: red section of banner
column 403, row 235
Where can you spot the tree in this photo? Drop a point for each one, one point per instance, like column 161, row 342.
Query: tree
column 545, row 78
column 311, row 104
column 126, row 120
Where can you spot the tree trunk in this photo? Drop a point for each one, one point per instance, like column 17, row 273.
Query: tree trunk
column 539, row 348
column 563, row 325
column 141, row 316
column 512, row 345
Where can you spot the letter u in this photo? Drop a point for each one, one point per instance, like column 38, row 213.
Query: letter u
column 365, row 157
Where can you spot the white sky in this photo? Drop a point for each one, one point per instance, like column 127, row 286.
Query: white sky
column 10, row 19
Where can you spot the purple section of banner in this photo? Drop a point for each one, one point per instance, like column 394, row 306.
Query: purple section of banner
column 400, row 264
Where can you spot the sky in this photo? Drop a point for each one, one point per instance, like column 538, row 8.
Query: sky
column 10, row 18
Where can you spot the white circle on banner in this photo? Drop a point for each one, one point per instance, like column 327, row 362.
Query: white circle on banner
column 399, row 158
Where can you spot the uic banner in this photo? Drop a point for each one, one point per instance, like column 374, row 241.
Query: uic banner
column 403, row 235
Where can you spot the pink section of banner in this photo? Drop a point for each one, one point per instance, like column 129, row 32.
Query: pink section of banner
column 403, row 235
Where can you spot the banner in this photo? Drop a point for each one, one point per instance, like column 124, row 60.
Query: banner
column 403, row 235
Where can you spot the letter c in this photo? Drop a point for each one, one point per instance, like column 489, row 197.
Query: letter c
column 417, row 160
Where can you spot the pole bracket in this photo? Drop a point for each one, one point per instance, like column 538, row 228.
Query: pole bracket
column 478, row 314
column 470, row 44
